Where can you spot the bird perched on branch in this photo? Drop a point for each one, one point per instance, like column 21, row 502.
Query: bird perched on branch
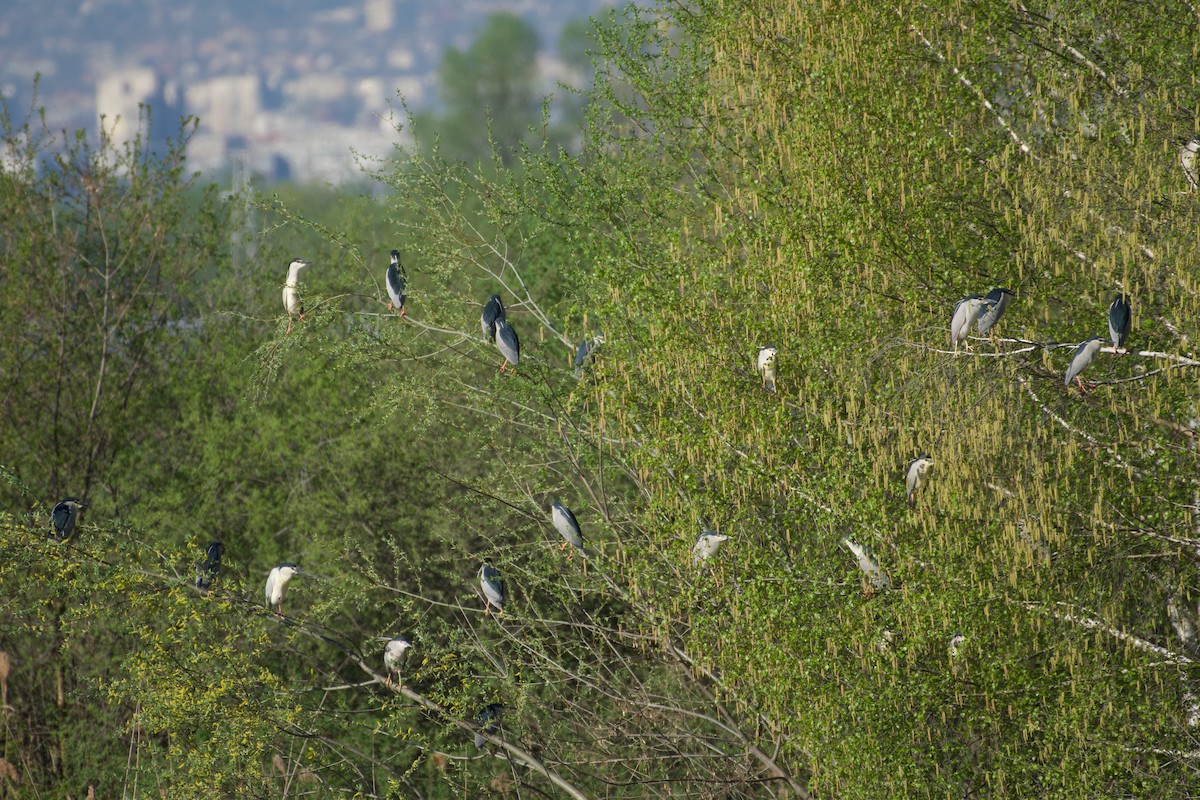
column 1084, row 354
column 63, row 518
column 207, row 569
column 493, row 588
column 567, row 526
column 488, row 720
column 395, row 653
column 291, row 291
column 996, row 301
column 1187, row 159
column 766, row 367
column 1119, row 319
column 966, row 312
column 585, row 349
column 507, row 344
column 492, row 311
column 869, row 565
column 277, row 582
column 397, row 281
column 706, row 546
column 917, row 469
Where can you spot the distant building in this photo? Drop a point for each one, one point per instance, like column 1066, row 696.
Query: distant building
column 121, row 99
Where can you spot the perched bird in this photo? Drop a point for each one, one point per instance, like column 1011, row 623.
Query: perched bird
column 62, row 519
column 917, row 468
column 277, row 583
column 566, row 524
column 996, row 301
column 397, row 281
column 957, row 640
column 587, row 348
column 1083, row 355
column 869, row 564
column 493, row 588
column 966, row 312
column 492, row 311
column 291, row 291
column 395, row 653
column 1187, row 158
column 507, row 344
column 706, row 546
column 488, row 720
column 207, row 569
column 766, row 367
column 1119, row 319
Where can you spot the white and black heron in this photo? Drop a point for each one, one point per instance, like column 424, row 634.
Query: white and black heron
column 395, row 653
column 869, row 564
column 208, row 568
column 1084, row 354
column 63, row 518
column 586, row 349
column 291, row 291
column 567, row 527
column 996, row 302
column 277, row 582
column 1187, row 159
column 957, row 640
column 1120, row 317
column 918, row 468
column 492, row 311
column 706, row 546
column 488, row 720
column 397, row 281
column 508, row 344
column 966, row 313
column 493, row 588
column 766, row 367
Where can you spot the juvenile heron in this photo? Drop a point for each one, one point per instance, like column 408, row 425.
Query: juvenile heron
column 1187, row 159
column 996, row 301
column 493, row 588
column 766, row 367
column 917, row 469
column 488, row 720
column 507, row 344
column 1083, row 355
column 706, row 546
column 966, row 312
column 207, row 569
column 567, row 526
column 395, row 653
column 1119, row 319
column 291, row 291
column 62, row 519
column 277, row 582
column 492, row 311
column 869, row 564
column 397, row 281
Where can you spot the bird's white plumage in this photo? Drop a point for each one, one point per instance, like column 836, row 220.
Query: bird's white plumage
column 766, row 367
column 966, row 313
column 506, row 342
column 917, row 469
column 277, row 582
column 1081, row 358
column 706, row 546
column 868, row 563
column 1187, row 159
column 395, row 653
column 566, row 525
column 492, row 586
column 291, row 289
column 955, row 645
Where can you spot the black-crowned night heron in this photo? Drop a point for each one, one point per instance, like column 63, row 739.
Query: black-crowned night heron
column 493, row 588
column 957, row 640
column 395, row 653
column 966, row 312
column 488, row 720
column 277, row 582
column 587, row 348
column 1083, row 355
column 396, row 281
column 1187, row 159
column 1119, row 319
column 207, row 569
column 766, row 367
column 996, row 301
column 507, row 344
column 291, row 291
column 492, row 311
column 869, row 565
column 63, row 517
column 567, row 527
column 915, row 479
column 706, row 546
